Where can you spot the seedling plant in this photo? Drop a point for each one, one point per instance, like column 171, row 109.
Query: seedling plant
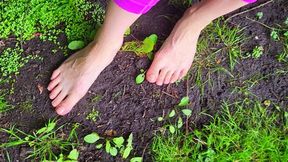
column 45, row 142
column 113, row 146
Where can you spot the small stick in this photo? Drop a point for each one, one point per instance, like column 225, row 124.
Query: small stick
column 143, row 89
column 254, row 8
column 248, row 18
column 144, row 150
column 168, row 94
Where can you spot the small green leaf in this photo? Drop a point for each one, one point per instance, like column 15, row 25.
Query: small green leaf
column 136, row 159
column 113, row 151
column 75, row 45
column 187, row 112
column 184, row 101
column 73, row 155
column 172, row 114
column 286, row 21
column 127, row 151
column 180, row 123
column 160, row 118
column 274, row 35
column 172, row 129
column 153, row 38
column 91, row 138
column 99, row 146
column 50, row 127
column 149, row 43
column 130, row 140
column 259, row 15
column 118, row 141
column 286, row 34
column 127, row 32
column 107, row 146
column 61, row 158
column 140, row 78
column 41, row 130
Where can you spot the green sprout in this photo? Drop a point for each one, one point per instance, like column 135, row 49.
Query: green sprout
column 259, row 15
column 141, row 48
column 45, row 142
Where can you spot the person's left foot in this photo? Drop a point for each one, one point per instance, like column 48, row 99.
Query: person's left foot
column 175, row 57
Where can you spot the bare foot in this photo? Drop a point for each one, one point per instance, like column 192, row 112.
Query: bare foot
column 71, row 81
column 175, row 57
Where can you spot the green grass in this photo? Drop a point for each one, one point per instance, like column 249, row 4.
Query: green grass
column 93, row 115
column 25, row 18
column 243, row 132
column 218, row 43
column 4, row 105
column 46, row 143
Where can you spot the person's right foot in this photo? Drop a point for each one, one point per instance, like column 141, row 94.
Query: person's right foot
column 71, row 81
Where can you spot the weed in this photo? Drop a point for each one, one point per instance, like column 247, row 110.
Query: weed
column 259, row 15
column 26, row 105
column 283, row 57
column 141, row 48
column 217, row 38
column 4, row 105
column 174, row 113
column 113, row 146
column 257, row 52
column 140, row 77
column 45, row 141
column 232, row 37
column 24, row 18
column 96, row 98
column 93, row 115
column 11, row 60
column 244, row 132
column 275, row 35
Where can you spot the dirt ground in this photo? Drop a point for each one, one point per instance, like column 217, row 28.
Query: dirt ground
column 126, row 107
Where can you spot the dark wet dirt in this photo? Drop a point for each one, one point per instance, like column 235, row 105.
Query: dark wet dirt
column 126, row 107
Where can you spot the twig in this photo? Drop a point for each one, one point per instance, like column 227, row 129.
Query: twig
column 144, row 150
column 143, row 89
column 254, row 8
column 168, row 94
column 266, row 26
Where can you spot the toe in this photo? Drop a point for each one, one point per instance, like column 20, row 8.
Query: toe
column 55, row 92
column 67, row 104
column 183, row 73
column 153, row 72
column 168, row 77
column 54, row 83
column 161, row 77
column 55, row 74
column 59, row 99
column 175, row 77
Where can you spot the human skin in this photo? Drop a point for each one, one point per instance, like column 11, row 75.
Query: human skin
column 71, row 81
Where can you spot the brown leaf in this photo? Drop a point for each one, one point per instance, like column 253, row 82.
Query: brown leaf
column 40, row 88
column 110, row 133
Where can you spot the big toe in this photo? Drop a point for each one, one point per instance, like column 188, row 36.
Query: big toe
column 153, row 72
column 66, row 105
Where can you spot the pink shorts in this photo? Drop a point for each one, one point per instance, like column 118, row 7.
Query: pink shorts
column 143, row 6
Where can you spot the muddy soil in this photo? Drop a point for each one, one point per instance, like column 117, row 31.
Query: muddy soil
column 125, row 107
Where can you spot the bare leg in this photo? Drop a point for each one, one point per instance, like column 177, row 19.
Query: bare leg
column 71, row 81
column 175, row 57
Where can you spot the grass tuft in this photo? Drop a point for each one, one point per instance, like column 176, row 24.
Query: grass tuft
column 244, row 132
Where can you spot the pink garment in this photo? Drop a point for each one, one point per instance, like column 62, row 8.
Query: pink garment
column 136, row 6
column 143, row 6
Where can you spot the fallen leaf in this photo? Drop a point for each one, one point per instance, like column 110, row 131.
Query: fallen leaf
column 110, row 133
column 40, row 88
